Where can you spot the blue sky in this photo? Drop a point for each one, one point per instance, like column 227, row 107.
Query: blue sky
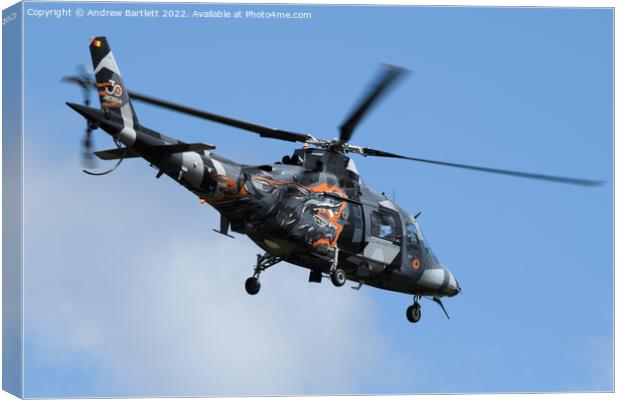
column 128, row 292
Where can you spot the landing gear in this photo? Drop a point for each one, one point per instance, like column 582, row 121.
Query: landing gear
column 413, row 312
column 252, row 284
column 337, row 275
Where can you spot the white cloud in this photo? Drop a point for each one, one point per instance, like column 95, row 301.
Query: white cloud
column 598, row 357
column 126, row 271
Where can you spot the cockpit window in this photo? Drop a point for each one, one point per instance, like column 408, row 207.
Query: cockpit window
column 412, row 235
column 417, row 240
column 429, row 251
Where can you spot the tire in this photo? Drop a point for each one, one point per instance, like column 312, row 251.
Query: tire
column 414, row 313
column 338, row 277
column 252, row 286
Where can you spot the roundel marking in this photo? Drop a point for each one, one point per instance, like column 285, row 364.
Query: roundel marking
column 415, row 264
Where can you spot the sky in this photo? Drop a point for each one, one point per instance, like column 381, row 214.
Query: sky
column 129, row 292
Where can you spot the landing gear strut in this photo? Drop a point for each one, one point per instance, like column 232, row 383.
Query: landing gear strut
column 252, row 284
column 337, row 275
column 413, row 312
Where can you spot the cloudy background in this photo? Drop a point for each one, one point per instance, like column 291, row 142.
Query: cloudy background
column 147, row 295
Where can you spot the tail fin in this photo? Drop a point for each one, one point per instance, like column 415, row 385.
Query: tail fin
column 112, row 92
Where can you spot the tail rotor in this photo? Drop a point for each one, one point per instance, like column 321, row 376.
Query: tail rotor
column 86, row 82
column 88, row 158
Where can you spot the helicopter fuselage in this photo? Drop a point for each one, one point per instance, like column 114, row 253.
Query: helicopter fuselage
column 308, row 210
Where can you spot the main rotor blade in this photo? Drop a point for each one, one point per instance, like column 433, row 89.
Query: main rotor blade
column 387, row 79
column 551, row 178
column 263, row 131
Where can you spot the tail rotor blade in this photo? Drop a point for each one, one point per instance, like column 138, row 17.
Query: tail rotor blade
column 83, row 79
column 88, row 158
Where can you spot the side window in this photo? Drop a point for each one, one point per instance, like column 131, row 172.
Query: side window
column 384, row 226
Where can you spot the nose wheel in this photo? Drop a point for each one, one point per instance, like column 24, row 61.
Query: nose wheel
column 252, row 284
column 414, row 312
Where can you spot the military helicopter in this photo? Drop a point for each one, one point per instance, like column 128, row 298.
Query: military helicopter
column 312, row 209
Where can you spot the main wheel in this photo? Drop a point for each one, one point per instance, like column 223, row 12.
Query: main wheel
column 338, row 277
column 252, row 285
column 414, row 313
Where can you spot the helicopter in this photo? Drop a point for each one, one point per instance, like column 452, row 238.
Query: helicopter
column 311, row 209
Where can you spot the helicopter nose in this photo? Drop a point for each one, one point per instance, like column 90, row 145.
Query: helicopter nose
column 453, row 288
